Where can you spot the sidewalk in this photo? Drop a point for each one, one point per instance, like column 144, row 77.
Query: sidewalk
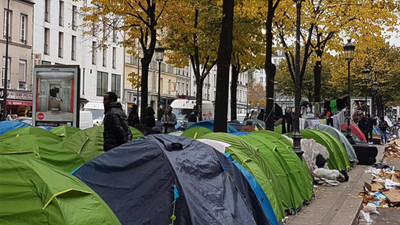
column 337, row 205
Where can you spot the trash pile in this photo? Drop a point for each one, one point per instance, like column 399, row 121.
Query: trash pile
column 393, row 149
column 384, row 189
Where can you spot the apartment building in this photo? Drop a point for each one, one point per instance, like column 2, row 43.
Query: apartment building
column 19, row 71
column 174, row 81
column 61, row 38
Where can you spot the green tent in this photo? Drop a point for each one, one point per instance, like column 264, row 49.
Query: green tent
column 135, row 133
column 88, row 143
column 338, row 158
column 64, row 131
column 196, row 132
column 292, row 173
column 44, row 148
column 33, row 193
column 249, row 157
column 38, row 132
column 298, row 168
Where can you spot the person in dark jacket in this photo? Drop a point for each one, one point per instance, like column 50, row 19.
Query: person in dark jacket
column 149, row 119
column 116, row 129
column 194, row 116
column 133, row 117
column 261, row 115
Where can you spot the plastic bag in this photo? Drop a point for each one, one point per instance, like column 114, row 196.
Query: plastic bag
column 370, row 208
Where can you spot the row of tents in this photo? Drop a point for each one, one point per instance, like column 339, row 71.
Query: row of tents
column 61, row 176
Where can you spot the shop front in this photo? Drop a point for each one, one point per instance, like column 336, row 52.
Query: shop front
column 19, row 102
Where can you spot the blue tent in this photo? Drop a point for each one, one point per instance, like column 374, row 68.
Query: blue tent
column 10, row 125
column 164, row 179
column 210, row 125
column 241, row 133
column 262, row 197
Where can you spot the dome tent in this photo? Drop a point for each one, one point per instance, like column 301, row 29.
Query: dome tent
column 338, row 158
column 249, row 157
column 33, row 193
column 88, row 143
column 175, row 177
column 339, row 136
column 64, row 131
column 292, row 173
column 196, row 132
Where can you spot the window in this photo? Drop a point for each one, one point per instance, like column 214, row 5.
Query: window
column 94, row 53
column 104, row 57
column 102, row 83
column 22, row 75
column 47, row 10
column 74, row 14
column 116, row 84
column 3, row 71
column 5, row 21
column 24, row 20
column 114, row 53
column 61, row 14
column 46, row 41
column 60, row 44
column 73, row 48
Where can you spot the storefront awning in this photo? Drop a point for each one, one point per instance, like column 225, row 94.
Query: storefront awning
column 19, row 102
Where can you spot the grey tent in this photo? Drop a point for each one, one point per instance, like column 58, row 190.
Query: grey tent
column 338, row 135
column 165, row 179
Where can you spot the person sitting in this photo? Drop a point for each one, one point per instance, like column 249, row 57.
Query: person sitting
column 249, row 126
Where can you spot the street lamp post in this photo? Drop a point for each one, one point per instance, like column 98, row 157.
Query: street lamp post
column 349, row 53
column 275, row 89
column 366, row 74
column 375, row 86
column 159, row 50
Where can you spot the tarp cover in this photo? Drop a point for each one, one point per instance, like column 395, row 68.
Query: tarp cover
column 210, row 125
column 339, row 136
column 33, row 193
column 6, row 126
column 152, row 179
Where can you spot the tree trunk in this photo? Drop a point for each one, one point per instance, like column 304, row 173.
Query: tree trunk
column 144, row 87
column 235, row 75
column 224, row 59
column 199, row 94
column 269, row 70
column 317, row 77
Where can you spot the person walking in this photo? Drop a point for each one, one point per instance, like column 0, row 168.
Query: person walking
column 371, row 122
column 194, row 116
column 116, row 129
column 383, row 125
column 168, row 121
column 133, row 117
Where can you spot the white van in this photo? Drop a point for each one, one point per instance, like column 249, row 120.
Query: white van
column 97, row 109
column 85, row 119
column 183, row 107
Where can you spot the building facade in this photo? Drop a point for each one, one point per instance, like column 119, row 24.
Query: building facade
column 19, row 71
column 60, row 37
